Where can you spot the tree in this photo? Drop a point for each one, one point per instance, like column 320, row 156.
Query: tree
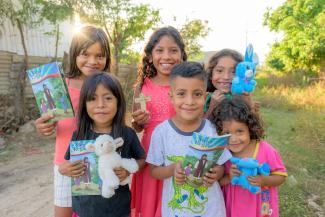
column 303, row 44
column 191, row 32
column 21, row 14
column 124, row 22
column 55, row 12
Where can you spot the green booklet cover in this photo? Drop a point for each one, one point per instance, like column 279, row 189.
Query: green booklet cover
column 89, row 183
column 203, row 153
column 50, row 90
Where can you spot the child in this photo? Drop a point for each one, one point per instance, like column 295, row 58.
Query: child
column 102, row 111
column 43, row 106
column 170, row 141
column 49, row 98
column 89, row 51
column 63, row 102
column 164, row 49
column 221, row 70
column 235, row 117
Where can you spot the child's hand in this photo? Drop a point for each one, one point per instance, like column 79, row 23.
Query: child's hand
column 234, row 171
column 179, row 174
column 213, row 175
column 73, row 169
column 140, row 118
column 121, row 173
column 255, row 180
column 216, row 98
column 43, row 127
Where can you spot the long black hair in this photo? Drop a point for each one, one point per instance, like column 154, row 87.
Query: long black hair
column 147, row 69
column 213, row 61
column 85, row 123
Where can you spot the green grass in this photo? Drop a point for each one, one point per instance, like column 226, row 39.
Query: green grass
column 294, row 113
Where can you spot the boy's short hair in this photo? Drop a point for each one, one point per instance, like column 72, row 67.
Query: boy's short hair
column 188, row 70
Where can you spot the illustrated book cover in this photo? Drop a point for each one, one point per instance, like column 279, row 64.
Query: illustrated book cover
column 50, row 90
column 203, row 153
column 89, row 183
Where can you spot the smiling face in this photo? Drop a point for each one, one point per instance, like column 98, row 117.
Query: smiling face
column 91, row 59
column 102, row 108
column 240, row 143
column 165, row 54
column 188, row 98
column 223, row 73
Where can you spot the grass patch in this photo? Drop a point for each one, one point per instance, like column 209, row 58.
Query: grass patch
column 299, row 136
column 290, row 92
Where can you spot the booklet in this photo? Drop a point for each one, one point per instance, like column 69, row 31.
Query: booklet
column 203, row 153
column 50, row 91
column 89, row 183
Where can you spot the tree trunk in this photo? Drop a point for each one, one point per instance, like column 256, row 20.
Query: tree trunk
column 322, row 69
column 116, row 63
column 57, row 38
column 20, row 100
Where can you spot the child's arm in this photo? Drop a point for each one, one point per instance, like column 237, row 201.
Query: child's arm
column 216, row 98
column 226, row 179
column 73, row 169
column 43, row 127
column 268, row 181
column 164, row 172
column 215, row 174
column 140, row 118
column 122, row 173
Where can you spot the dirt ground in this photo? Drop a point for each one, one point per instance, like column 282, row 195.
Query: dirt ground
column 26, row 176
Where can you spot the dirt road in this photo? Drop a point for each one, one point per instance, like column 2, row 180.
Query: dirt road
column 26, row 179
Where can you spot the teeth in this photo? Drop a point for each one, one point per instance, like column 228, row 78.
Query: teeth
column 166, row 65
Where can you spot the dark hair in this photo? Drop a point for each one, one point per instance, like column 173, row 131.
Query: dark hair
column 87, row 92
column 147, row 69
column 188, row 70
column 237, row 109
column 81, row 41
column 213, row 61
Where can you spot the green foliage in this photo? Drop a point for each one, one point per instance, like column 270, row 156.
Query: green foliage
column 130, row 57
column 191, row 32
column 55, row 11
column 303, row 44
column 124, row 22
column 21, row 10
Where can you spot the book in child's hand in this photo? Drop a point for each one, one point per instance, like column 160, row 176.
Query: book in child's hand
column 50, row 90
column 89, row 183
column 203, row 153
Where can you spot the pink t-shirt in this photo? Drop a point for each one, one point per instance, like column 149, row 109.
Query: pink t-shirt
column 65, row 128
column 242, row 203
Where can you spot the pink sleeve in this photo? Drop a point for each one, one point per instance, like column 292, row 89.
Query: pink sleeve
column 273, row 159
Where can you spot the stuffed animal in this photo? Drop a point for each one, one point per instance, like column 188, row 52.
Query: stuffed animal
column 245, row 73
column 108, row 159
column 248, row 167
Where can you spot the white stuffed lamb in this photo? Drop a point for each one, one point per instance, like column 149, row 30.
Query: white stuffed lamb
column 108, row 159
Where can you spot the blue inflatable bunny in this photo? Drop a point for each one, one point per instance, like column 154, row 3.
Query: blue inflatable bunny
column 248, row 167
column 245, row 73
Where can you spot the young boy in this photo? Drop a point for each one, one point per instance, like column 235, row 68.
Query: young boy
column 170, row 141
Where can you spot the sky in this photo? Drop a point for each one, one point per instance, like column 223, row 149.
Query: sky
column 233, row 23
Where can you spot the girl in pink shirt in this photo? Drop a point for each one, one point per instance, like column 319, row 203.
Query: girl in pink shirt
column 164, row 50
column 89, row 51
column 238, row 119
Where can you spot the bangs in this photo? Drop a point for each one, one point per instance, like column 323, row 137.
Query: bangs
column 91, row 89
